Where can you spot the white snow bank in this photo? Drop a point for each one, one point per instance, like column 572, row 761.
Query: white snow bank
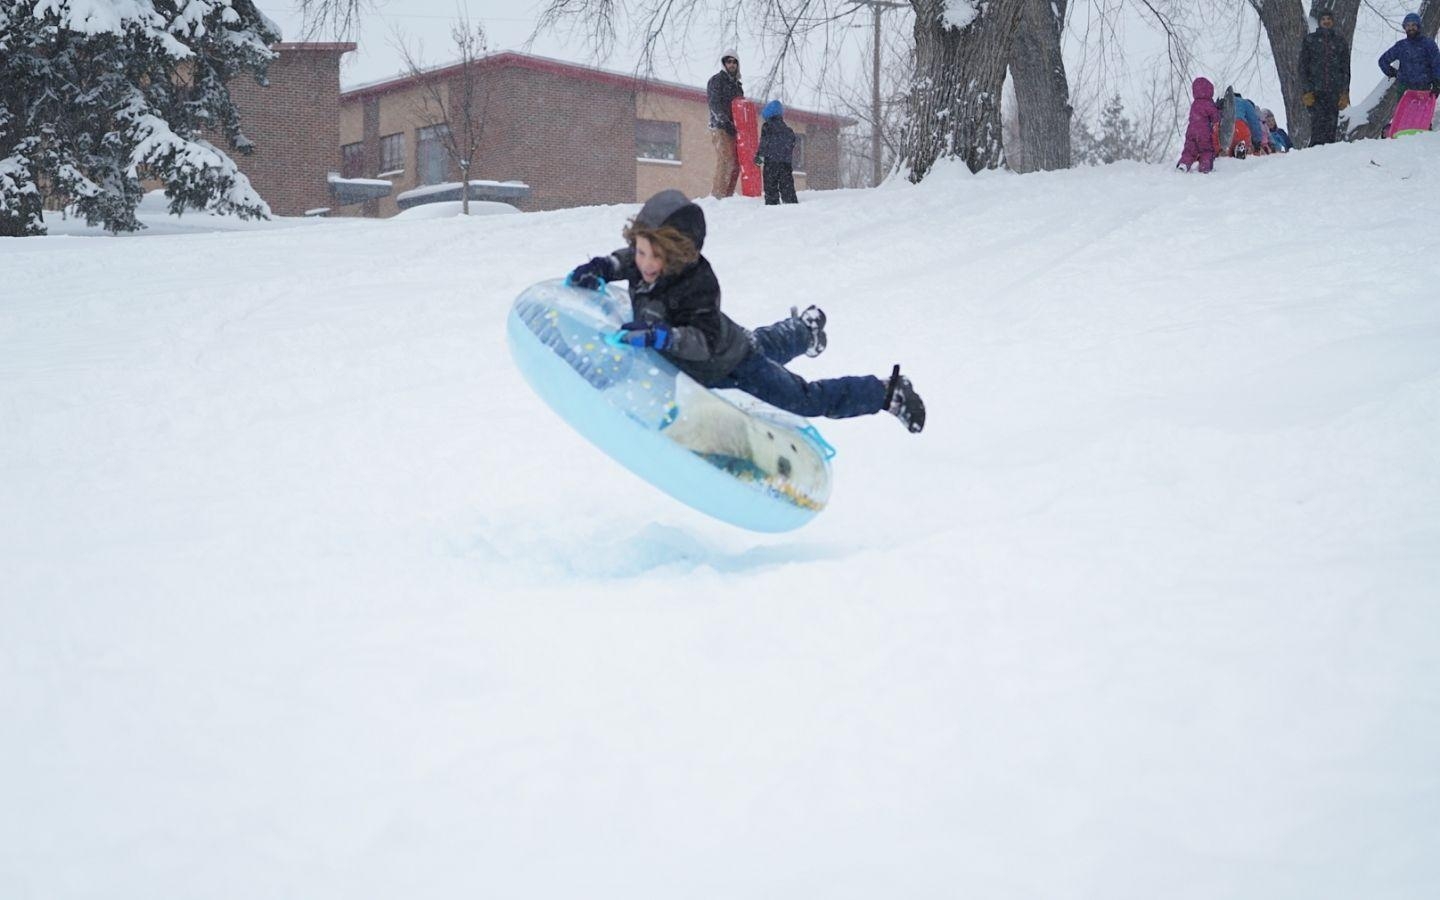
column 304, row 593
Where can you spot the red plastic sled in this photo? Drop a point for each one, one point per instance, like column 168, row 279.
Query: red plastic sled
column 1241, row 136
column 747, row 141
column 1414, row 112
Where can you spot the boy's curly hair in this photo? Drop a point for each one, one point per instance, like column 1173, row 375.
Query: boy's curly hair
column 673, row 245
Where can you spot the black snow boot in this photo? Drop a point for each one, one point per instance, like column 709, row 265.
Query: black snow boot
column 813, row 318
column 903, row 403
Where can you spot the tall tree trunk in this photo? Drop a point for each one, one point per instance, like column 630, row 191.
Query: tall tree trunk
column 954, row 104
column 1042, row 90
column 1286, row 25
column 1376, row 124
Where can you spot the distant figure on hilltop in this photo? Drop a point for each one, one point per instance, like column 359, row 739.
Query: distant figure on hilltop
column 1324, row 78
column 1200, row 133
column 723, row 87
column 777, row 155
column 1414, row 61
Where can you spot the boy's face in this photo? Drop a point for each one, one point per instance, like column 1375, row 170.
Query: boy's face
column 649, row 262
column 1327, row 20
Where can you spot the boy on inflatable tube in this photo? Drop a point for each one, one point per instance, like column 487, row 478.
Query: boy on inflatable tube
column 676, row 302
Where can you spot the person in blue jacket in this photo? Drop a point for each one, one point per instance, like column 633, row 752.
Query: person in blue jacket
column 1414, row 61
column 1246, row 111
column 776, row 154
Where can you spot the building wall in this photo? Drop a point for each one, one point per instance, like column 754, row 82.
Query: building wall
column 571, row 141
column 366, row 120
column 293, row 125
column 692, row 174
column 570, row 138
column 822, row 159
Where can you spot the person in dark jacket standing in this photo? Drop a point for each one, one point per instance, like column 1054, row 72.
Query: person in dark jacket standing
column 675, row 305
column 777, row 154
column 1325, row 78
column 1414, row 62
column 723, row 87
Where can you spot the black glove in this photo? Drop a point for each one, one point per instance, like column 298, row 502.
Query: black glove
column 759, row 160
column 592, row 275
column 1392, row 72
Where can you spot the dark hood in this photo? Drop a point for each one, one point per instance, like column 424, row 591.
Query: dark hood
column 673, row 208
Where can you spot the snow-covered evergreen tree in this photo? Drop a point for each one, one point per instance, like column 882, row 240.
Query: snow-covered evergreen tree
column 98, row 95
column 1118, row 138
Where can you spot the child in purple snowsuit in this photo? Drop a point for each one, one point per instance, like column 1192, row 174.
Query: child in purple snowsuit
column 1200, row 134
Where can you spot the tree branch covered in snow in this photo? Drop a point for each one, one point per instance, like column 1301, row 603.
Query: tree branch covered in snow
column 97, row 96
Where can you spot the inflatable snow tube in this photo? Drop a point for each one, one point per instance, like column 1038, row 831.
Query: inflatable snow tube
column 722, row 452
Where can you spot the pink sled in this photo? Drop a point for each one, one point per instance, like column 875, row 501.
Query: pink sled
column 1413, row 113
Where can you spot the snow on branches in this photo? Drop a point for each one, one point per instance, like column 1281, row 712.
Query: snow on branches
column 100, row 94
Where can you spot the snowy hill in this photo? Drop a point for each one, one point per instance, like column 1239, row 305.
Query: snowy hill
column 306, row 595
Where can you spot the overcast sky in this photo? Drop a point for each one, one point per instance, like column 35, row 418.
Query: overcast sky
column 509, row 25
column 1231, row 39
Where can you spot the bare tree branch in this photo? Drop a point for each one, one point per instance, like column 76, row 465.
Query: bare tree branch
column 453, row 107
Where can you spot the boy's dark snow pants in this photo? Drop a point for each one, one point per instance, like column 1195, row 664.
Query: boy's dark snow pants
column 762, row 374
column 779, row 179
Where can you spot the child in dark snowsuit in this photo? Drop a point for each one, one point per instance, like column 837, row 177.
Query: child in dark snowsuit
column 1200, row 133
column 777, row 154
column 675, row 299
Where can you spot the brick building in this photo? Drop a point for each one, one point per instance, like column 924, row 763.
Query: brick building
column 293, row 121
column 577, row 136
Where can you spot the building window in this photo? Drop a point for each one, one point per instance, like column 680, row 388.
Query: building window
column 392, row 153
column 657, row 140
column 352, row 160
column 797, row 161
column 432, row 160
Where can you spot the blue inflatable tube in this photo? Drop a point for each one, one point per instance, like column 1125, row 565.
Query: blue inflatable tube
column 723, row 453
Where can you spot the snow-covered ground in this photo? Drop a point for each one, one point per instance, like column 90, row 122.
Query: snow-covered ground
column 304, row 594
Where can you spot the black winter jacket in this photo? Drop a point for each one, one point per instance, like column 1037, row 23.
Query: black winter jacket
column 777, row 141
column 1324, row 63
column 720, row 90
column 705, row 343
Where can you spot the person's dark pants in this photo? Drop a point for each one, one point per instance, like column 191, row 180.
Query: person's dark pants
column 1324, row 116
column 762, row 374
column 779, row 183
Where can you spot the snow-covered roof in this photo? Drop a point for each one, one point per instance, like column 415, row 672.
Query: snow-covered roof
column 480, row 189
